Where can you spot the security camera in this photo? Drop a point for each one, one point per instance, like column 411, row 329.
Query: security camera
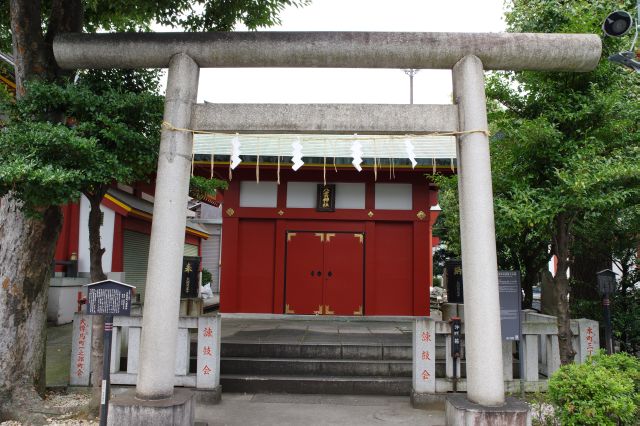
column 628, row 59
column 617, row 24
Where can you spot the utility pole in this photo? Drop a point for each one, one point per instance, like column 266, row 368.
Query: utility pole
column 411, row 72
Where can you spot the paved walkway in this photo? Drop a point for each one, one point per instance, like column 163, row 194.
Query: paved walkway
column 311, row 410
column 58, row 355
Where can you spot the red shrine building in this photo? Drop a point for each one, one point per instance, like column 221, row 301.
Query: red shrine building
column 325, row 239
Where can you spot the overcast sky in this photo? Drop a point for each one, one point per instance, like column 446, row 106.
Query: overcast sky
column 264, row 85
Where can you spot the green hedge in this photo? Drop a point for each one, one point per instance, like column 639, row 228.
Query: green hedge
column 602, row 391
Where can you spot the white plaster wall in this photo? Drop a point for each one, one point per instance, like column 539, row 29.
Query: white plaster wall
column 302, row 195
column 258, row 194
column 63, row 296
column 350, row 195
column 394, row 196
column 106, row 237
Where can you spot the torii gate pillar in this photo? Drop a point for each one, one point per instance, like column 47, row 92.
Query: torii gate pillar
column 478, row 240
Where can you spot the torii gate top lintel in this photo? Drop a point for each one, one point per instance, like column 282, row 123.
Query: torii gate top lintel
column 497, row 51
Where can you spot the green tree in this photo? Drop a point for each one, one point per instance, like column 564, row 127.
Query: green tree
column 571, row 140
column 59, row 161
column 565, row 151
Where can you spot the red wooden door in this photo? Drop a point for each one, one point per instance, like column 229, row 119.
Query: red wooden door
column 304, row 273
column 344, row 273
column 324, row 273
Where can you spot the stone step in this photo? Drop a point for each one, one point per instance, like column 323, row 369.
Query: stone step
column 343, row 385
column 316, row 351
column 315, row 367
column 321, row 367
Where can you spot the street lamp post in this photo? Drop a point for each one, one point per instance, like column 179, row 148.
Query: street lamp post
column 412, row 72
column 606, row 286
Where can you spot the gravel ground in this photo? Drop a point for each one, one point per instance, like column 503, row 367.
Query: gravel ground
column 543, row 413
column 69, row 404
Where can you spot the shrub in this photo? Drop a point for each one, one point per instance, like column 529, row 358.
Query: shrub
column 602, row 391
column 206, row 276
column 626, row 364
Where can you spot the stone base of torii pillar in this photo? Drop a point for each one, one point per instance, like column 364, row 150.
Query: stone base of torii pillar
column 459, row 411
column 177, row 410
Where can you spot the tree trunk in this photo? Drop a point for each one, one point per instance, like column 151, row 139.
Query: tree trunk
column 29, row 50
column 528, row 281
column 97, row 274
column 548, row 297
column 561, row 248
column 27, row 246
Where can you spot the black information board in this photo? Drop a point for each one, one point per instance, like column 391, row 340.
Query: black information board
column 109, row 298
column 510, row 304
column 453, row 281
column 190, row 273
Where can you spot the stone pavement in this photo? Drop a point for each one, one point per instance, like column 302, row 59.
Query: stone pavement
column 317, row 330
column 58, row 355
column 311, row 410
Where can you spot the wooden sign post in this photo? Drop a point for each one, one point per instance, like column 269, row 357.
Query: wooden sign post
column 108, row 298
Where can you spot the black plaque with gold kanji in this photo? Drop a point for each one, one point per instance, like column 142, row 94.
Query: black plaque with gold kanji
column 326, row 201
column 453, row 281
column 190, row 273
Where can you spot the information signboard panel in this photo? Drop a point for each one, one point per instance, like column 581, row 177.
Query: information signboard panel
column 510, row 304
column 109, row 298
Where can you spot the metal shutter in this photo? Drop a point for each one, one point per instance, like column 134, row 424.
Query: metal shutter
column 190, row 250
column 135, row 258
column 211, row 258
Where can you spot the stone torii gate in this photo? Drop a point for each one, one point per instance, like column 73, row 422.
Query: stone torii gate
column 466, row 54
